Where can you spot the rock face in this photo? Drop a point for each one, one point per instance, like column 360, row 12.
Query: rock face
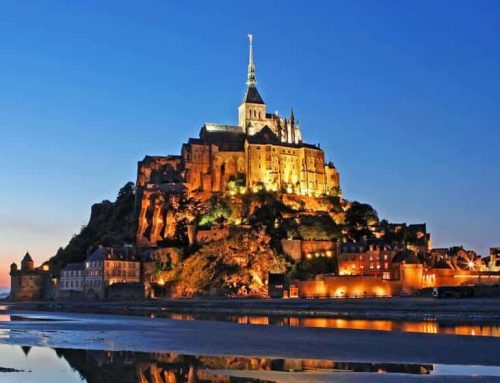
column 99, row 210
column 159, row 187
column 238, row 265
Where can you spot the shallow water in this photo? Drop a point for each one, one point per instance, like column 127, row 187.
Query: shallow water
column 427, row 327
column 46, row 365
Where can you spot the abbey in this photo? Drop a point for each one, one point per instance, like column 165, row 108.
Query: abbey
column 264, row 151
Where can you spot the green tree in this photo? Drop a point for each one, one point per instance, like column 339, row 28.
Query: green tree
column 220, row 210
column 360, row 221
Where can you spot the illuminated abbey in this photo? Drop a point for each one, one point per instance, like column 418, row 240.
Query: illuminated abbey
column 264, row 151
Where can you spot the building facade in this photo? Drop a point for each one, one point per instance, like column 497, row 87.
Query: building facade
column 494, row 263
column 366, row 258
column 263, row 151
column 72, row 277
column 109, row 265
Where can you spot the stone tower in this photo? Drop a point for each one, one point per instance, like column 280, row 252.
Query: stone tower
column 27, row 263
column 252, row 111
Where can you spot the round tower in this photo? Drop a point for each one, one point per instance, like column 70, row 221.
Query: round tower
column 13, row 269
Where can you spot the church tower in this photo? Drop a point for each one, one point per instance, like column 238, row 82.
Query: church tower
column 252, row 111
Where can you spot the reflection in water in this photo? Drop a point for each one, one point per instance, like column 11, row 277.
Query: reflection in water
column 44, row 365
column 428, row 327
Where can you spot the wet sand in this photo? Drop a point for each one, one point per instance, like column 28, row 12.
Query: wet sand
column 342, row 377
column 452, row 310
column 112, row 332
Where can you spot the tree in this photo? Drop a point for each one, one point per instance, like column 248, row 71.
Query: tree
column 220, row 210
column 309, row 268
column 113, row 224
column 360, row 221
column 269, row 212
column 312, row 228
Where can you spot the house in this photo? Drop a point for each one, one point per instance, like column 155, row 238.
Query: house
column 109, row 265
column 371, row 257
column 72, row 277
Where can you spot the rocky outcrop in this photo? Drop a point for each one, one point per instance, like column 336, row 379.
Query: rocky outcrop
column 110, row 224
column 238, row 265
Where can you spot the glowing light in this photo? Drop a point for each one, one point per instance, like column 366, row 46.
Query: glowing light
column 45, row 267
column 161, row 282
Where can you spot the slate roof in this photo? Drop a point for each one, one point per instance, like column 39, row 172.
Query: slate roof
column 124, row 253
column 27, row 258
column 347, row 246
column 252, row 96
column 225, row 140
column 264, row 136
column 74, row 266
column 406, row 256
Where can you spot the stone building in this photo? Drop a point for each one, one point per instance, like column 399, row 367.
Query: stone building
column 263, row 151
column 298, row 249
column 30, row 283
column 72, row 277
column 494, row 263
column 366, row 258
column 109, row 265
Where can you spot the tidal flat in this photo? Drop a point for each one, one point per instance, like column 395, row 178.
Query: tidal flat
column 239, row 352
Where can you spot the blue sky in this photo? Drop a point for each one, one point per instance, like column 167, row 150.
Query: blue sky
column 402, row 96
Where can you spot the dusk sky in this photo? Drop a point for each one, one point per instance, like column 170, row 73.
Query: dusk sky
column 403, row 96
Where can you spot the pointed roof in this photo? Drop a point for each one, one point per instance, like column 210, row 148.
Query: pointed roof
column 252, row 96
column 27, row 258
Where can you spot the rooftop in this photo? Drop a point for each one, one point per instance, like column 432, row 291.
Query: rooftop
column 252, row 96
column 74, row 266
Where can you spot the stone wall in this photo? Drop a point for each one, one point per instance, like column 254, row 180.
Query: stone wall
column 30, row 286
column 292, row 248
column 212, row 234
column 448, row 277
column 322, row 247
column 348, row 287
column 126, row 291
column 298, row 249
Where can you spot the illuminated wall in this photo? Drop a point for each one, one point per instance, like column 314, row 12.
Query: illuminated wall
column 448, row 277
column 349, row 287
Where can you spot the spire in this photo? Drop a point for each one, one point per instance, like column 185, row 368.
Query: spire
column 251, row 67
column 252, row 96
